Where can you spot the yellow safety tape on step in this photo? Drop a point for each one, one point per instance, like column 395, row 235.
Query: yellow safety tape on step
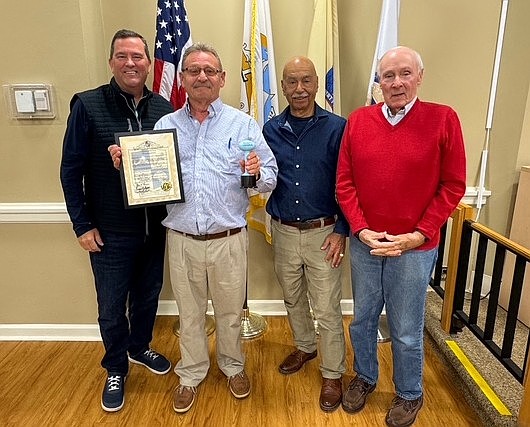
column 481, row 382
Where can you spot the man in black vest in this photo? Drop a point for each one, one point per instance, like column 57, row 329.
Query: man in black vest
column 126, row 246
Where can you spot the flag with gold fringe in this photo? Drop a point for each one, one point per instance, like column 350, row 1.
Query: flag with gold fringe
column 387, row 38
column 323, row 50
column 259, row 94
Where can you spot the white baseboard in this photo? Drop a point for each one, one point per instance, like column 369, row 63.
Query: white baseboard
column 90, row 332
column 49, row 332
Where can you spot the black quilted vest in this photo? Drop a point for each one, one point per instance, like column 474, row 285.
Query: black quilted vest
column 109, row 111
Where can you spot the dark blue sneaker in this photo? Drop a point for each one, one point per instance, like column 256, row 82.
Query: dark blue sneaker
column 152, row 360
column 113, row 393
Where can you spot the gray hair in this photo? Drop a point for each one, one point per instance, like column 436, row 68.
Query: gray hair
column 415, row 54
column 201, row 47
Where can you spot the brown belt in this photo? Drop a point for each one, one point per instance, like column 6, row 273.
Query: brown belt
column 219, row 235
column 309, row 224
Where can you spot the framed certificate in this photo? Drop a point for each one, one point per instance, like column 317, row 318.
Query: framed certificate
column 150, row 169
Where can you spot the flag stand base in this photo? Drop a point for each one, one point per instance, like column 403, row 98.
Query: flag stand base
column 252, row 325
column 383, row 334
column 209, row 325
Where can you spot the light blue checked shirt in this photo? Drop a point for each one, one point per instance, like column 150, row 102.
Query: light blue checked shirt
column 211, row 174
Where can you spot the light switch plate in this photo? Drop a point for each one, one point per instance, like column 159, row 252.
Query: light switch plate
column 24, row 101
column 30, row 101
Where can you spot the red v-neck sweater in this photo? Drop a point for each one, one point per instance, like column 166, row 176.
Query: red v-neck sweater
column 402, row 178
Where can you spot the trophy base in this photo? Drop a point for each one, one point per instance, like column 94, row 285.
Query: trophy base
column 248, row 181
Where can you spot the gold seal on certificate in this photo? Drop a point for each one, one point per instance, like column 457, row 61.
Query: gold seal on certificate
column 150, row 170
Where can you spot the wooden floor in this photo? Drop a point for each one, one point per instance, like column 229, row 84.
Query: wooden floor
column 60, row 383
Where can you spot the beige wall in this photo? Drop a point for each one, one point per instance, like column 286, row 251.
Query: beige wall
column 45, row 277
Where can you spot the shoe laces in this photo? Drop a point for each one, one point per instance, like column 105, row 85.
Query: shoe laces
column 359, row 384
column 113, row 382
column 181, row 388
column 151, row 354
column 238, row 376
column 236, row 379
column 408, row 405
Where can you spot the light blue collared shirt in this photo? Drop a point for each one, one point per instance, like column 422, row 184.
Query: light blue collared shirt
column 396, row 118
column 211, row 174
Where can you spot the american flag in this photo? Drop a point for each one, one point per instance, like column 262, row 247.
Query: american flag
column 173, row 37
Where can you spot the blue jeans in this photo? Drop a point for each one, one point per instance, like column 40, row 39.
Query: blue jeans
column 400, row 283
column 128, row 274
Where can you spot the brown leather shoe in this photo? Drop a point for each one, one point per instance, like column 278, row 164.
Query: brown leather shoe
column 330, row 394
column 183, row 398
column 403, row 412
column 295, row 361
column 355, row 396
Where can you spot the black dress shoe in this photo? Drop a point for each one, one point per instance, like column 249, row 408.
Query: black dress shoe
column 295, row 361
column 330, row 394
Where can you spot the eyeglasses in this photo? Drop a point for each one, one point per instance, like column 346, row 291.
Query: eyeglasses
column 208, row 71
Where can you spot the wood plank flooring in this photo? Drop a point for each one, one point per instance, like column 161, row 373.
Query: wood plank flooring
column 60, row 383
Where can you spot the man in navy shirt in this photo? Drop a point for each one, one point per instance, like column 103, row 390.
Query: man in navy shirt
column 308, row 228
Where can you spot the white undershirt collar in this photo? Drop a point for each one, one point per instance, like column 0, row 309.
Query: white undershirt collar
column 396, row 118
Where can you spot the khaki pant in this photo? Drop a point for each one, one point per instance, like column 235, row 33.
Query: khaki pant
column 219, row 267
column 303, row 273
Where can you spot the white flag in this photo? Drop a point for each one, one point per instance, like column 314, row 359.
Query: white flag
column 387, row 38
column 323, row 50
column 259, row 93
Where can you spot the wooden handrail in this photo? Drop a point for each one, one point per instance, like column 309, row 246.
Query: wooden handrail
column 460, row 214
column 499, row 238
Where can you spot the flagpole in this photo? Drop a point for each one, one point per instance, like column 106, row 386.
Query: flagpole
column 252, row 325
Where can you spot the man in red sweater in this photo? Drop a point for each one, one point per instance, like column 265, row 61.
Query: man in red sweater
column 400, row 175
